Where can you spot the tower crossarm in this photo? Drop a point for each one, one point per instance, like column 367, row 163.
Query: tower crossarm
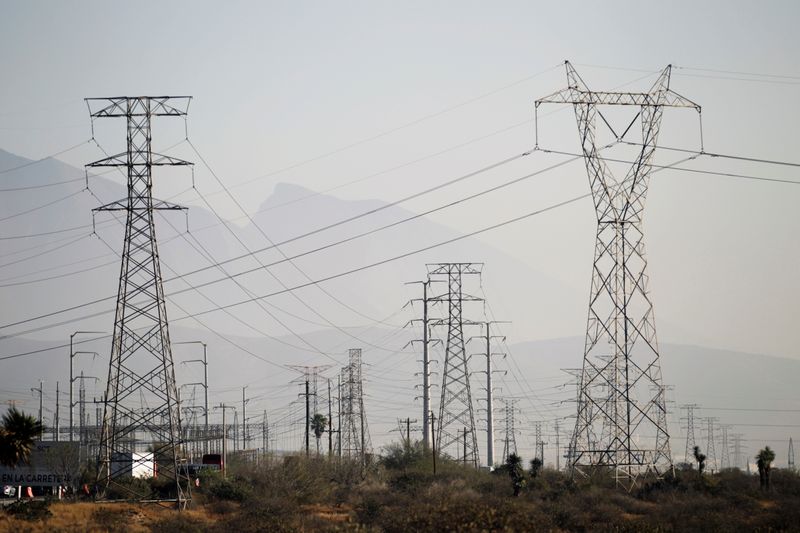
column 126, row 106
column 663, row 98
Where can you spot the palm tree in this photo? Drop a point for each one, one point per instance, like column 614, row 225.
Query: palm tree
column 701, row 460
column 18, row 432
column 764, row 462
column 318, row 425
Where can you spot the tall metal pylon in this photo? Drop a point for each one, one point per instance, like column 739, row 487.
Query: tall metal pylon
column 711, row 452
column 456, row 410
column 725, row 452
column 355, row 440
column 790, row 459
column 621, row 376
column 691, row 440
column 510, row 437
column 141, row 410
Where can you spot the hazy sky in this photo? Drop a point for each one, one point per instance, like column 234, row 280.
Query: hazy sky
column 276, row 84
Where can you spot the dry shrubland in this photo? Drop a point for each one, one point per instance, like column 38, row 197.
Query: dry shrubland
column 399, row 493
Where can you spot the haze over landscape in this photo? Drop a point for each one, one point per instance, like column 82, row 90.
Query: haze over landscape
column 314, row 123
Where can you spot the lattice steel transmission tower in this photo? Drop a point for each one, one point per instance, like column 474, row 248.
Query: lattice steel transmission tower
column 621, row 376
column 691, row 441
column 790, row 460
column 711, row 452
column 141, row 411
column 725, row 453
column 510, row 438
column 355, row 441
column 456, row 409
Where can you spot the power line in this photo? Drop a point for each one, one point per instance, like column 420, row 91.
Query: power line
column 45, row 158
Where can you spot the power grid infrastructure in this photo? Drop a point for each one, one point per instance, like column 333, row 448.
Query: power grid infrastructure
column 141, row 417
column 354, row 439
column 621, row 377
column 456, row 411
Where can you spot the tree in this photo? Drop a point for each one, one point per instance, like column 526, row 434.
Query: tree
column 318, row 425
column 514, row 467
column 18, row 433
column 701, row 460
column 536, row 467
column 764, row 462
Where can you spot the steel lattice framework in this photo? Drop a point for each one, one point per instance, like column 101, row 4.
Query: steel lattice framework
column 141, row 411
column 510, row 439
column 355, row 441
column 621, row 418
column 456, row 413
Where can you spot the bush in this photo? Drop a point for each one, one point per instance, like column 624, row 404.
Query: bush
column 29, row 510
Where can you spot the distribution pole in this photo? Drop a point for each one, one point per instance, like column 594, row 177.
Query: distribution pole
column 487, row 339
column 308, row 418
column 39, row 390
column 558, row 447
column 339, row 416
column 330, row 420
column 244, row 419
column 56, row 425
column 426, row 361
column 72, row 354
column 204, row 361
column 433, row 439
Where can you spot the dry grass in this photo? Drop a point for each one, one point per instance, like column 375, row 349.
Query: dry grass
column 89, row 517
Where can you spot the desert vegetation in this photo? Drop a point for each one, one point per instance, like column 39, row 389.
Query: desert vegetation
column 398, row 492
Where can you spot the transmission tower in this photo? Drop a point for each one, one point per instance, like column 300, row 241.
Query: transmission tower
column 691, row 441
column 141, row 412
column 510, row 439
column 790, row 461
column 539, row 442
column 738, row 451
column 711, row 452
column 725, row 455
column 355, row 441
column 455, row 409
column 621, row 357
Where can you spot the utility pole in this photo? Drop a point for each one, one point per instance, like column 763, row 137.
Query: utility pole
column 72, row 355
column 204, row 362
column 487, row 339
column 339, row 416
column 141, row 394
column 308, row 417
column 426, row 369
column 244, row 419
column 310, row 377
column 790, row 460
column 620, row 334
column 39, row 390
column 225, row 439
column 56, row 424
column 558, row 446
column 433, row 439
column 330, row 421
column 456, row 408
